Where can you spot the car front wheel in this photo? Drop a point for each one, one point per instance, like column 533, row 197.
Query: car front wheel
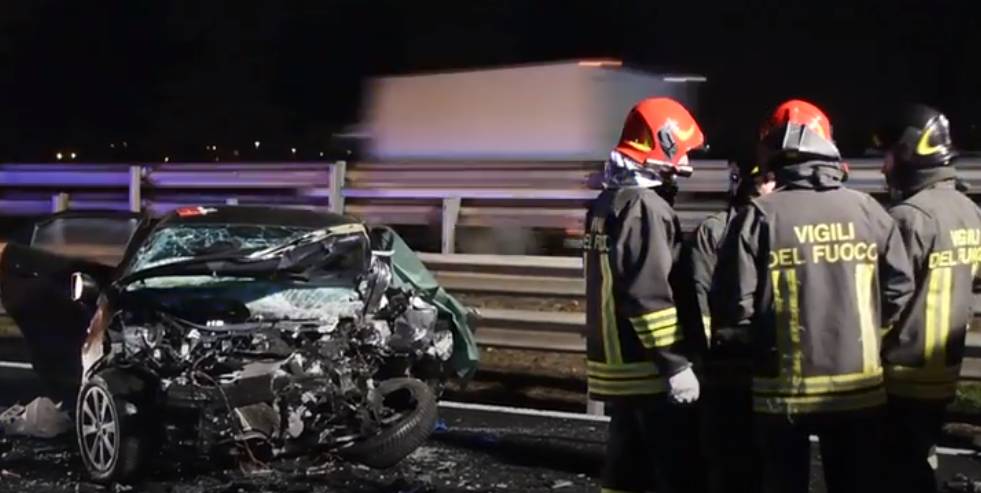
column 111, row 441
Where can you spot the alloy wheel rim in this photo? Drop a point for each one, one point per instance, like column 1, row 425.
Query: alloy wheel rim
column 99, row 431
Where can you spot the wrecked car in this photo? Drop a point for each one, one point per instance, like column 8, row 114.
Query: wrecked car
column 242, row 332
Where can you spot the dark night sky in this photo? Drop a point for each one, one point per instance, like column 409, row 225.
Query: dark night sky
column 172, row 77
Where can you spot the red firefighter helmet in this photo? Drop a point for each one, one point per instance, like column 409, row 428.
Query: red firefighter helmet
column 659, row 132
column 798, row 130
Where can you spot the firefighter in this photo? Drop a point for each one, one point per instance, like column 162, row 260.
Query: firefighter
column 806, row 275
column 746, row 181
column 635, row 346
column 941, row 228
column 727, row 419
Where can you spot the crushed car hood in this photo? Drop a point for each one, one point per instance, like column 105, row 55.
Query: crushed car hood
column 410, row 271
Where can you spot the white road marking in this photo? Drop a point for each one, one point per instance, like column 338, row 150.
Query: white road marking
column 16, row 365
column 521, row 411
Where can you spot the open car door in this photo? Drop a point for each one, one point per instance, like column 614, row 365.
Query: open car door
column 35, row 287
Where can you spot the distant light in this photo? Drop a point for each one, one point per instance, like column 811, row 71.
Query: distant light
column 125, row 144
column 321, row 153
column 166, row 159
column 74, row 155
column 293, row 150
column 685, row 78
column 600, row 63
column 256, row 143
column 235, row 152
column 112, row 146
column 60, row 156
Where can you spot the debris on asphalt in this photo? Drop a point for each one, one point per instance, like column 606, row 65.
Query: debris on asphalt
column 561, row 484
column 962, row 484
column 41, row 418
column 964, row 434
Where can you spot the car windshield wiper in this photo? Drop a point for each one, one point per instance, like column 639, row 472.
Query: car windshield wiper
column 277, row 250
column 176, row 267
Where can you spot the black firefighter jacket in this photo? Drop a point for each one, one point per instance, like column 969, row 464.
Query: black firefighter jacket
column 922, row 353
column 631, row 247
column 704, row 257
column 809, row 274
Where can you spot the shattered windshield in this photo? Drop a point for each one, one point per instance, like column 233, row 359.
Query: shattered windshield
column 185, row 241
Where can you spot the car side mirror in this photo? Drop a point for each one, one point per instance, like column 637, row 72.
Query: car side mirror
column 84, row 289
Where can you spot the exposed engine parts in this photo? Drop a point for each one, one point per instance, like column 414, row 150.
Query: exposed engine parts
column 285, row 385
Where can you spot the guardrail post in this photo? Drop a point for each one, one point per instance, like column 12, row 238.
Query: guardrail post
column 451, row 213
column 595, row 408
column 135, row 188
column 59, row 202
column 338, row 171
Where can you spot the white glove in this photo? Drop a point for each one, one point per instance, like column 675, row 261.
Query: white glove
column 683, row 387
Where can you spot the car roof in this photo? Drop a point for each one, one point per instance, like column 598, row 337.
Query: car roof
column 258, row 215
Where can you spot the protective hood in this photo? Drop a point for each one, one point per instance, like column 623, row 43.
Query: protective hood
column 622, row 172
column 907, row 181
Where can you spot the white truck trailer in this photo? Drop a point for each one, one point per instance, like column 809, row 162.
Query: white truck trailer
column 568, row 111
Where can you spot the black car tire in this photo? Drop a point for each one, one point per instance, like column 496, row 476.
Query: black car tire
column 405, row 435
column 113, row 437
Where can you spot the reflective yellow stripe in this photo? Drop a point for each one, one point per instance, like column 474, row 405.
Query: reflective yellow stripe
column 813, row 404
column 797, row 353
column 943, row 320
column 627, row 387
column 870, row 338
column 658, row 329
column 658, row 318
column 611, row 333
column 661, row 338
column 645, row 326
column 707, row 326
column 819, row 384
column 621, row 371
column 930, row 316
column 783, row 339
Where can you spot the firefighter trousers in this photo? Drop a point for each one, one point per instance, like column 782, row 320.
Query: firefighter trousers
column 913, row 429
column 652, row 446
column 850, row 445
column 726, row 421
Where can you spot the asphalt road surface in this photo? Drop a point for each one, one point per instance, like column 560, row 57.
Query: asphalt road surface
column 475, row 448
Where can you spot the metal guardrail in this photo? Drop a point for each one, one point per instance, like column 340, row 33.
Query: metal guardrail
column 449, row 194
column 533, row 194
column 554, row 277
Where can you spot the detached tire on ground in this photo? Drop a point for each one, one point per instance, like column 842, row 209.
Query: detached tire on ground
column 402, row 437
column 113, row 439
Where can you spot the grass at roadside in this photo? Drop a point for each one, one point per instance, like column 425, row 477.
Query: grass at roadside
column 968, row 399
column 7, row 327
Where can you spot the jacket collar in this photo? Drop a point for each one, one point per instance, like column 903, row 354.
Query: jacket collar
column 914, row 180
column 817, row 175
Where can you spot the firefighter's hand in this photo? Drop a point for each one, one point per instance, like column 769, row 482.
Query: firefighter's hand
column 683, row 387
